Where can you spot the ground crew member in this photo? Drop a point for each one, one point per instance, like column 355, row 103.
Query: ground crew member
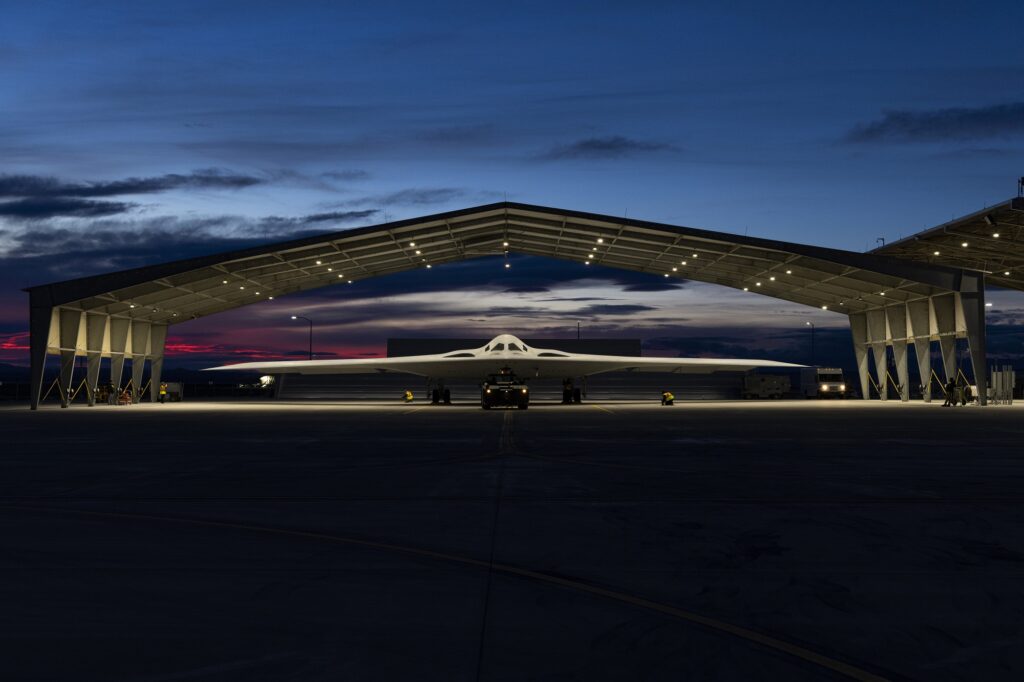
column 950, row 390
column 163, row 391
column 407, row 396
column 667, row 398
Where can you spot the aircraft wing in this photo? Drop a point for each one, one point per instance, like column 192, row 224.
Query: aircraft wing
column 585, row 365
column 420, row 365
column 446, row 366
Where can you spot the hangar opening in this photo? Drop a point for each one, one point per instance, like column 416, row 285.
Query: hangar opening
column 895, row 297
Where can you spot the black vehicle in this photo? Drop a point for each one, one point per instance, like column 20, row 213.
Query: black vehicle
column 504, row 390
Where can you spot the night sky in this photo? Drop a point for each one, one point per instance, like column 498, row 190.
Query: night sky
column 134, row 133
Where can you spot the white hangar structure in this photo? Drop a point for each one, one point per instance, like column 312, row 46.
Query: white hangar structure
column 928, row 288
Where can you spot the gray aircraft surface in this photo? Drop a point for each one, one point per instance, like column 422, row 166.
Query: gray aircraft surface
column 504, row 358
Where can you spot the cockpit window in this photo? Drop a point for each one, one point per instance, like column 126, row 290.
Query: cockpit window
column 487, row 349
column 499, row 346
column 513, row 346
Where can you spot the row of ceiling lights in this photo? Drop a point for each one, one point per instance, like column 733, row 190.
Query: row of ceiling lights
column 964, row 245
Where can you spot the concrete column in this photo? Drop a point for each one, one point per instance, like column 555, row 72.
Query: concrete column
column 95, row 330
column 923, row 351
column 40, row 315
column 896, row 316
column 945, row 324
column 119, row 328
column 919, row 313
column 899, row 352
column 880, row 370
column 859, row 331
column 157, row 338
column 947, row 345
column 140, row 348
column 878, row 336
column 973, row 303
column 70, row 324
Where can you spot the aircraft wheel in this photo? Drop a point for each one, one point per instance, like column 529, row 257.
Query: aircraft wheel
column 447, row 397
column 435, row 396
column 577, row 396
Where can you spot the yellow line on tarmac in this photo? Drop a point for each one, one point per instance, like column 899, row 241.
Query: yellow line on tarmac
column 764, row 640
column 603, row 409
column 415, row 409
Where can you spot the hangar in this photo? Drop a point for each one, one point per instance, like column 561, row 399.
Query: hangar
column 894, row 297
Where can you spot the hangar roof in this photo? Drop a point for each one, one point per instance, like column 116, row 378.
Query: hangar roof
column 177, row 291
column 991, row 240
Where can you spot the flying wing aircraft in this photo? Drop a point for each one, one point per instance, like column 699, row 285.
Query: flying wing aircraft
column 505, row 355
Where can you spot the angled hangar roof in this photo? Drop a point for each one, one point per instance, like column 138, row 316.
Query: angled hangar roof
column 177, row 291
column 991, row 241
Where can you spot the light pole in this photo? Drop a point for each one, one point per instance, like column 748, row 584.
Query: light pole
column 811, row 325
column 301, row 317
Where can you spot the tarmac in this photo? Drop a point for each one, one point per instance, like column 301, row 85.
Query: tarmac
column 791, row 540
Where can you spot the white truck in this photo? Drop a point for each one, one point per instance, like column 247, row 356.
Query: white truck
column 822, row 382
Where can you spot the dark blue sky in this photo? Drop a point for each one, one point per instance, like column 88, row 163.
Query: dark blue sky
column 134, row 132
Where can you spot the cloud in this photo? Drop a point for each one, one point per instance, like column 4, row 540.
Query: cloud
column 346, row 175
column 615, row 309
column 955, row 123
column 117, row 243
column 52, row 207
column 45, row 186
column 526, row 290
column 339, row 216
column 412, row 197
column 611, row 147
column 570, row 299
column 653, row 286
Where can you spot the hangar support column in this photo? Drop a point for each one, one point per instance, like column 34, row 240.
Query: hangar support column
column 972, row 301
column 140, row 349
column 945, row 326
column 119, row 328
column 859, row 331
column 919, row 313
column 157, row 339
column 40, row 317
column 70, row 326
column 896, row 316
column 95, row 335
column 878, row 337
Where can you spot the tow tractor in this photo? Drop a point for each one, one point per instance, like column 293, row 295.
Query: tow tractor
column 504, row 389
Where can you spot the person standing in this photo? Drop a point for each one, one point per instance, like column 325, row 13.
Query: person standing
column 950, row 391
